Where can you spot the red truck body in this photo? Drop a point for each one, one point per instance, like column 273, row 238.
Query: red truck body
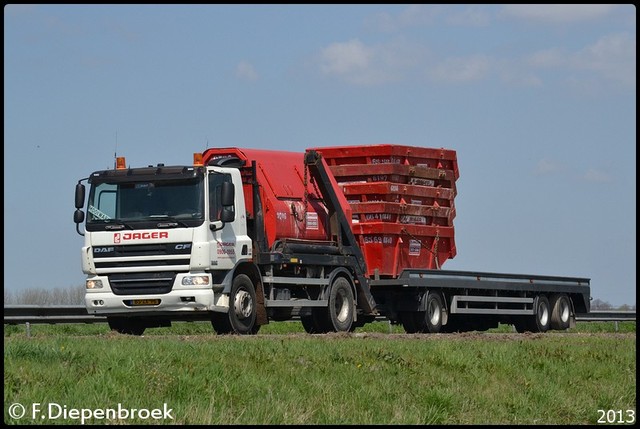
column 400, row 200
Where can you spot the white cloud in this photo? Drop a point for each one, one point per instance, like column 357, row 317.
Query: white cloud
column 246, row 71
column 612, row 56
column 413, row 15
column 596, row 176
column 357, row 63
column 473, row 16
column 610, row 59
column 521, row 78
column 345, row 58
column 546, row 167
column 557, row 13
column 461, row 69
column 552, row 57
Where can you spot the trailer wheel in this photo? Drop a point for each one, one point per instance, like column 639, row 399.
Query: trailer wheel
column 433, row 319
column 411, row 321
column 429, row 321
column 308, row 325
column 453, row 325
column 243, row 306
column 126, row 325
column 521, row 323
column 542, row 314
column 341, row 305
column 458, row 323
column 560, row 311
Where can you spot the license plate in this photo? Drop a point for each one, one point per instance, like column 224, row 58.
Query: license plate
column 145, row 301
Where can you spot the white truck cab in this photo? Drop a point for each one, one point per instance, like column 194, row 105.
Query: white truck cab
column 162, row 239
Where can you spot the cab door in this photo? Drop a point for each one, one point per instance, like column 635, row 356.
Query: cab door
column 224, row 239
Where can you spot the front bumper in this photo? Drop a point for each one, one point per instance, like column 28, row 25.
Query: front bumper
column 184, row 300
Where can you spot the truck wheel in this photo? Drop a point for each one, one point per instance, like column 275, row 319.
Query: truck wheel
column 220, row 323
column 456, row 323
column 425, row 321
column 341, row 306
column 308, row 325
column 521, row 323
column 411, row 321
column 316, row 322
column 280, row 314
column 542, row 314
column 451, row 326
column 560, row 311
column 433, row 319
column 243, row 306
column 126, row 325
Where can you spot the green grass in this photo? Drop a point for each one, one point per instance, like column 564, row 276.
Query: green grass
column 277, row 378
column 199, row 328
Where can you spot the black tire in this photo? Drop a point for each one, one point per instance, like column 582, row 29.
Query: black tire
column 411, row 321
column 126, row 325
column 542, row 314
column 433, row 316
column 453, row 325
column 243, row 306
column 522, row 324
column 308, row 325
column 341, row 305
column 560, row 312
column 316, row 321
column 362, row 320
column 281, row 314
column 429, row 321
column 221, row 324
column 457, row 323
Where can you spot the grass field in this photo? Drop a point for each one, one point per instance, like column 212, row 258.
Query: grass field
column 189, row 375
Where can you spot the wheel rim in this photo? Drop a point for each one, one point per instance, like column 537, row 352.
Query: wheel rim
column 434, row 313
column 243, row 304
column 543, row 314
column 564, row 311
column 342, row 306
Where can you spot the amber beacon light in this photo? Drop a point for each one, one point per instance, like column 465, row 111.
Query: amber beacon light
column 121, row 163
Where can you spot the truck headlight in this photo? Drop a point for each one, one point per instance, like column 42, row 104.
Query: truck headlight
column 94, row 284
column 195, row 281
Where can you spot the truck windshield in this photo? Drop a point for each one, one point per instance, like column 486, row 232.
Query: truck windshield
column 143, row 204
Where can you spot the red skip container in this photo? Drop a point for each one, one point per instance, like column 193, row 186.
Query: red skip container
column 402, row 199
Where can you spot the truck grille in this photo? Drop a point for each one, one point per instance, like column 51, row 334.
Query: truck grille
column 121, row 256
column 174, row 255
column 142, row 283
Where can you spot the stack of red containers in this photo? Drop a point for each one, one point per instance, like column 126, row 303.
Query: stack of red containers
column 403, row 203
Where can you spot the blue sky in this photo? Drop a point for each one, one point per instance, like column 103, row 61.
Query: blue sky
column 539, row 101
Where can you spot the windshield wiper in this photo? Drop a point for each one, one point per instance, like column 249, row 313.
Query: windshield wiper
column 116, row 225
column 171, row 222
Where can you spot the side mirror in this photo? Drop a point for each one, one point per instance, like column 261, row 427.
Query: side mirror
column 228, row 194
column 79, row 197
column 78, row 216
column 227, row 215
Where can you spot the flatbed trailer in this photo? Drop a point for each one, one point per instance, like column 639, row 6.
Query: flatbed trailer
column 481, row 300
column 422, row 300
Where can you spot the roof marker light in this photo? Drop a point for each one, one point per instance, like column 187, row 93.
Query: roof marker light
column 121, row 164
